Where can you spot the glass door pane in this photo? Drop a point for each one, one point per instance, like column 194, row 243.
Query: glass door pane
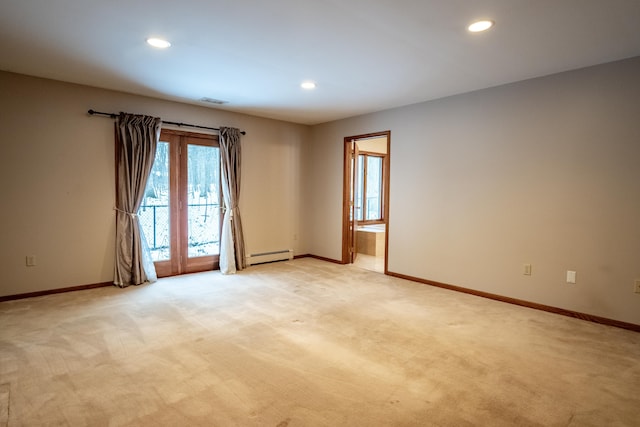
column 203, row 200
column 374, row 188
column 154, row 211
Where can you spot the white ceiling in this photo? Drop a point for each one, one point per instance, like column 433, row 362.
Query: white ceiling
column 365, row 55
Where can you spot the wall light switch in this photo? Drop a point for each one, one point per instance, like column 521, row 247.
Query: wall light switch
column 526, row 269
column 31, row 260
column 571, row 276
column 636, row 289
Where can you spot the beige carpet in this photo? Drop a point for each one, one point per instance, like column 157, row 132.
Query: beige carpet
column 307, row 343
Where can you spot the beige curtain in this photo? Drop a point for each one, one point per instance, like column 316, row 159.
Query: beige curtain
column 232, row 256
column 136, row 141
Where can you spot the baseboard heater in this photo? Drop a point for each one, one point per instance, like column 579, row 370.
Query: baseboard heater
column 269, row 257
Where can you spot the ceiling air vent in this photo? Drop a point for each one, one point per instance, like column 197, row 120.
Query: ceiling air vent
column 213, row 101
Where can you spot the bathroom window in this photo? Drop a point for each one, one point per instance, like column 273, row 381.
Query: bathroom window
column 368, row 197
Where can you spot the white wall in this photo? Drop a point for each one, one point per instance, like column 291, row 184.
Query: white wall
column 57, row 180
column 543, row 171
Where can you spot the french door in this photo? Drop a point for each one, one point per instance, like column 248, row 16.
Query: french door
column 180, row 214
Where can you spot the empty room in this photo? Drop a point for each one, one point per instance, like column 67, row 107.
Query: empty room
column 320, row 213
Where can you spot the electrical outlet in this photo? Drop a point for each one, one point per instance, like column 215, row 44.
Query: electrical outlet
column 526, row 269
column 637, row 287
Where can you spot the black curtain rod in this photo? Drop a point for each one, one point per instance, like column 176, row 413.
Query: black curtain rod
column 114, row 115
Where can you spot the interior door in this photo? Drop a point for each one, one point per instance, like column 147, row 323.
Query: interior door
column 356, row 209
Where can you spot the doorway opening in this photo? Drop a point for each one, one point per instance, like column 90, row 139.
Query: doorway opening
column 365, row 216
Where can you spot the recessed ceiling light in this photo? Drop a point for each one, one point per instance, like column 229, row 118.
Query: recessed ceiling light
column 308, row 85
column 479, row 26
column 159, row 43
